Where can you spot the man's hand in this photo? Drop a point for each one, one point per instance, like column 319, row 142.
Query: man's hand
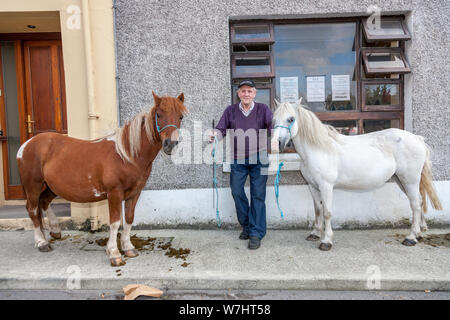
column 212, row 136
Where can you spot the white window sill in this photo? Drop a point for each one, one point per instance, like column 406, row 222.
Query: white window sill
column 291, row 162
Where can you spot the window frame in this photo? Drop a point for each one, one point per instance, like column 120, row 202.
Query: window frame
column 269, row 40
column 386, row 107
column 254, row 75
column 372, row 38
column 385, row 116
column 362, row 111
column 366, row 51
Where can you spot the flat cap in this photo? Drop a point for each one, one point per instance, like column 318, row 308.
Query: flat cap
column 249, row 83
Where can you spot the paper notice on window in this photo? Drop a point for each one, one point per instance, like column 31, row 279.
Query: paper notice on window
column 288, row 89
column 315, row 89
column 340, row 87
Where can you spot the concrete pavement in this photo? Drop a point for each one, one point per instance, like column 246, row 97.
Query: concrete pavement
column 217, row 260
column 64, row 294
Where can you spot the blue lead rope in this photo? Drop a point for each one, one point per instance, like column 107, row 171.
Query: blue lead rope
column 277, row 179
column 215, row 182
column 277, row 187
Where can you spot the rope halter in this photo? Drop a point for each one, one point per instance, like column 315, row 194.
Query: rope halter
column 289, row 127
column 159, row 129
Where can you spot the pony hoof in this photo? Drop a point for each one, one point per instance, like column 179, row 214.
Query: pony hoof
column 56, row 235
column 409, row 242
column 312, row 237
column 325, row 246
column 419, row 238
column 45, row 248
column 131, row 253
column 117, row 262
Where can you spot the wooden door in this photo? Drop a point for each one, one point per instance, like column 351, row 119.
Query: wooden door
column 34, row 100
column 45, row 89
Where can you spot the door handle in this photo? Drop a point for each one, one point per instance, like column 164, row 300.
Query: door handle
column 29, row 124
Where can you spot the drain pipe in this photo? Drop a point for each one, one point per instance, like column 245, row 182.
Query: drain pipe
column 92, row 115
column 117, row 78
column 116, row 63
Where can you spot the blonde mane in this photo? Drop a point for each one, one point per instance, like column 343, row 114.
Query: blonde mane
column 131, row 132
column 310, row 128
column 128, row 138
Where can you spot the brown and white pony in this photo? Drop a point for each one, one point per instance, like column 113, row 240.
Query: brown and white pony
column 115, row 167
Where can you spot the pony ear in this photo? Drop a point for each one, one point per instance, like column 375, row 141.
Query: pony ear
column 156, row 98
column 181, row 97
column 299, row 102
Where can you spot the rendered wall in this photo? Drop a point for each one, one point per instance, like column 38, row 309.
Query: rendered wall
column 183, row 46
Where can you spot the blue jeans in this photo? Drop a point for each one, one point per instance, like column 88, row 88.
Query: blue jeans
column 251, row 217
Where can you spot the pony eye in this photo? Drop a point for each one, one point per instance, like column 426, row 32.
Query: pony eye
column 291, row 119
column 181, row 117
column 158, row 115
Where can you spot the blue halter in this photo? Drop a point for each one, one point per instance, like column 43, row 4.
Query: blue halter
column 289, row 128
column 158, row 128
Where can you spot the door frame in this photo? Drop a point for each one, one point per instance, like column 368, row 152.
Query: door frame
column 15, row 192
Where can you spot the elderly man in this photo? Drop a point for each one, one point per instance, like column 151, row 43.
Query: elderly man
column 250, row 123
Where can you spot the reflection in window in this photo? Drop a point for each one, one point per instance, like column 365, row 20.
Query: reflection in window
column 378, row 60
column 382, row 44
column 316, row 50
column 379, row 75
column 347, row 127
column 263, row 96
column 387, row 28
column 252, row 65
column 382, row 94
column 377, row 125
column 12, row 108
column 256, row 32
column 251, row 48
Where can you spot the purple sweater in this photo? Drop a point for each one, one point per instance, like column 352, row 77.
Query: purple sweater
column 250, row 134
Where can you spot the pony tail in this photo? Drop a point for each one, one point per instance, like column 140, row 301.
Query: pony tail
column 426, row 186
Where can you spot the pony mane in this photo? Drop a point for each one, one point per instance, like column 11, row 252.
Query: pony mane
column 310, row 128
column 128, row 138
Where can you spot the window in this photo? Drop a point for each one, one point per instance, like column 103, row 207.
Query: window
column 314, row 53
column 390, row 28
column 349, row 73
column 384, row 61
column 382, row 95
column 254, row 33
column 376, row 125
column 252, row 65
column 347, row 127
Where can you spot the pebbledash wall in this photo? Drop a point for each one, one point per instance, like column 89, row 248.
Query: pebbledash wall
column 183, row 46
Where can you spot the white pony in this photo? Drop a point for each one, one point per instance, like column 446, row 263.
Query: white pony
column 331, row 160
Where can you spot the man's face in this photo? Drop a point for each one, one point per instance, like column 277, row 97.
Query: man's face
column 246, row 94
